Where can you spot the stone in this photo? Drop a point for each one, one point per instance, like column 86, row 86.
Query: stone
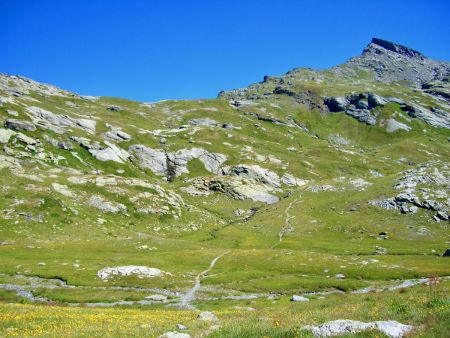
column 175, row 334
column 181, row 327
column 207, row 316
column 292, row 181
column 337, row 104
column 337, row 139
column 394, row 125
column 162, row 163
column 242, row 188
column 5, row 135
column 296, row 298
column 117, row 135
column 157, row 298
column 129, row 270
column 375, row 100
column 203, row 122
column 20, row 125
column 390, row 328
column 114, row 108
column 62, row 189
column 106, row 206
column 255, row 173
column 339, row 276
column 110, row 153
column 446, row 253
column 26, row 139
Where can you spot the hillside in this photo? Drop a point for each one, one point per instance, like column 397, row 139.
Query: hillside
column 321, row 183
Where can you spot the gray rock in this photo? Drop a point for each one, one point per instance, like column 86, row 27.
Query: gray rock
column 203, row 122
column 20, row 125
column 5, row 135
column 157, row 298
column 255, row 173
column 296, row 298
column 337, row 139
column 59, row 123
column 375, row 100
column 106, row 206
column 117, row 135
column 174, row 334
column 110, row 153
column 114, row 108
column 181, row 327
column 394, row 125
column 161, row 163
column 207, row 316
column 337, row 104
column 242, row 188
column 390, row 328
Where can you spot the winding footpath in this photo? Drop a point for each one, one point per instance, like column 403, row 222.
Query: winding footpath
column 287, row 221
column 188, row 297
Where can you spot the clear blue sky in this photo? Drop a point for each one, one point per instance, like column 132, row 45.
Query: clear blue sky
column 153, row 50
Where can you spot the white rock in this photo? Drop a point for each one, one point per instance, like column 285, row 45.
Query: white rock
column 128, row 270
column 207, row 316
column 174, row 334
column 62, row 189
column 296, row 298
column 106, row 206
column 111, row 153
column 157, row 298
column 5, row 135
column 393, row 125
column 391, row 328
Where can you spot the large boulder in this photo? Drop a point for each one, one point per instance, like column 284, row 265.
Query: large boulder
column 20, row 125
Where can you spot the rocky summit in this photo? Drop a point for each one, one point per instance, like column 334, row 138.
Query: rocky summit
column 330, row 188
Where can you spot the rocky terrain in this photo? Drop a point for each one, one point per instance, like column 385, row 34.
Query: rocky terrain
column 301, row 187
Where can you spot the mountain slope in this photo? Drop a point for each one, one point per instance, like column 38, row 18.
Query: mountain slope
column 316, row 180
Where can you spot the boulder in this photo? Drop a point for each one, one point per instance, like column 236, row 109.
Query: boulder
column 203, row 122
column 157, row 298
column 296, row 298
column 394, row 125
column 5, row 135
column 110, row 153
column 20, row 125
column 114, row 108
column 337, row 104
column 129, row 270
column 175, row 334
column 390, row 328
column 106, row 206
column 254, row 172
column 446, row 253
column 162, row 163
column 375, row 100
column 207, row 316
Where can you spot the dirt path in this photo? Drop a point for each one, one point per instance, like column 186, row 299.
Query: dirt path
column 188, row 297
column 287, row 221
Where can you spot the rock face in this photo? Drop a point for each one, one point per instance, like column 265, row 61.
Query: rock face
column 242, row 188
column 128, row 270
column 393, row 62
column 390, row 328
column 255, row 173
column 106, row 206
column 174, row 163
column 58, row 123
column 20, row 125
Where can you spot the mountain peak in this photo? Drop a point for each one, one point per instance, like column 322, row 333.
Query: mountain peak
column 395, row 47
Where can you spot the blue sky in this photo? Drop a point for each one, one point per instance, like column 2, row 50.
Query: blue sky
column 153, row 50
